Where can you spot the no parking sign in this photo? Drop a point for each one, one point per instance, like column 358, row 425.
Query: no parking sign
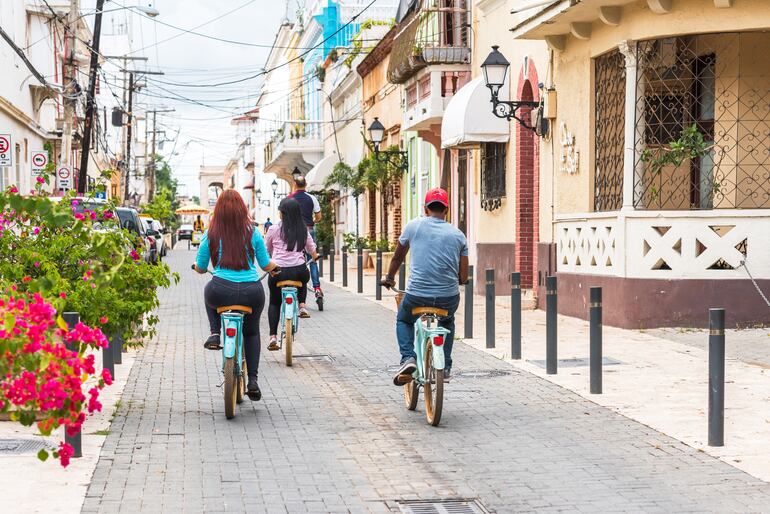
column 64, row 177
column 39, row 159
column 6, row 158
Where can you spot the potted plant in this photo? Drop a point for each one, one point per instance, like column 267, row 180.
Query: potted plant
column 352, row 244
column 387, row 248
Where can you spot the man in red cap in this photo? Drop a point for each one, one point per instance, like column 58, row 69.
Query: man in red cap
column 438, row 266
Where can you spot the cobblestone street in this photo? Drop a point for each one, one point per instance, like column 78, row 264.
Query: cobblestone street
column 332, row 435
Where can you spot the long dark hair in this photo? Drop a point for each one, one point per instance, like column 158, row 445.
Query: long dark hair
column 293, row 228
column 231, row 230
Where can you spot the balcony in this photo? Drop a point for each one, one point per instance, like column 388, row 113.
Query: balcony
column 433, row 35
column 428, row 94
column 296, row 143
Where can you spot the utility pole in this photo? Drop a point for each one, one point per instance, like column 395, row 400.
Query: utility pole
column 69, row 74
column 152, row 163
column 129, row 134
column 90, row 100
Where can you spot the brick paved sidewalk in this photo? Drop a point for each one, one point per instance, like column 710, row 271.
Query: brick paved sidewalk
column 335, row 437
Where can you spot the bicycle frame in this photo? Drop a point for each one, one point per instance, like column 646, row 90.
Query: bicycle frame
column 425, row 330
column 290, row 310
column 232, row 345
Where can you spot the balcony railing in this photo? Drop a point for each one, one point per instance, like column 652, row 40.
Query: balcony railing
column 435, row 34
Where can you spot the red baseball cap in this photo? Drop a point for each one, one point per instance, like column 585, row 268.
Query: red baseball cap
column 437, row 195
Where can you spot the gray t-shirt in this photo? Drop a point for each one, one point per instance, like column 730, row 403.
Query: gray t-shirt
column 435, row 247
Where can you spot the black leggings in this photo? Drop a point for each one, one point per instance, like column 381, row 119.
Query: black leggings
column 219, row 293
column 298, row 273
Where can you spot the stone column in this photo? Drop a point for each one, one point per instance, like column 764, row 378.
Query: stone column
column 633, row 115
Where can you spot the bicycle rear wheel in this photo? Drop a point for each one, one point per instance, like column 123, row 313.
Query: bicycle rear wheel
column 434, row 387
column 230, row 388
column 411, row 394
column 241, row 385
column 288, row 340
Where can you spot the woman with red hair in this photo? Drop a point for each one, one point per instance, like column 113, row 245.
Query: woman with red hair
column 232, row 245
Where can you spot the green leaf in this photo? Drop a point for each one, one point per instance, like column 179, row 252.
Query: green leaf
column 42, row 455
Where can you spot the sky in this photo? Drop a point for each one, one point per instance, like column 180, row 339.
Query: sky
column 198, row 134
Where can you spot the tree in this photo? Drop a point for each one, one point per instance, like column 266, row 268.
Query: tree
column 350, row 180
column 165, row 203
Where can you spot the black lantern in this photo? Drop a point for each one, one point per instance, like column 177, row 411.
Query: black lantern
column 296, row 174
column 258, row 194
column 397, row 158
column 276, row 194
column 495, row 68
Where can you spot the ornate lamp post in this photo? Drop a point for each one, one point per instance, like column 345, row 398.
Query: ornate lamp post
column 495, row 68
column 397, row 158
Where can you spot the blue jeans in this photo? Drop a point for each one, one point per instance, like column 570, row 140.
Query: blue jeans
column 314, row 265
column 405, row 321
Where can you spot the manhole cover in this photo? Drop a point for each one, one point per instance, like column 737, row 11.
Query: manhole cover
column 442, row 507
column 577, row 363
column 315, row 357
column 20, row 446
column 484, row 373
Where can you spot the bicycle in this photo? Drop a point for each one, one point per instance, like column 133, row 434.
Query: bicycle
column 429, row 347
column 289, row 315
column 234, row 366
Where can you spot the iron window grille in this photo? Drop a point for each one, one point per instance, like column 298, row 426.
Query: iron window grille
column 609, row 102
column 717, row 85
column 492, row 175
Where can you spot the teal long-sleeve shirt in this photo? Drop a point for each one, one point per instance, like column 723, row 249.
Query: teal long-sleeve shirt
column 249, row 275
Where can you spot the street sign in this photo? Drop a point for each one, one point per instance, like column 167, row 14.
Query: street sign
column 39, row 159
column 64, row 177
column 102, row 195
column 6, row 158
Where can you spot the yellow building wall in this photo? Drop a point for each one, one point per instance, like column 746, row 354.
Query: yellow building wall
column 573, row 76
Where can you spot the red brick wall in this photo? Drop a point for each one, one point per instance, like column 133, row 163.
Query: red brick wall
column 527, row 184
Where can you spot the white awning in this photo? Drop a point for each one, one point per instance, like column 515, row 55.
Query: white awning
column 468, row 118
column 320, row 172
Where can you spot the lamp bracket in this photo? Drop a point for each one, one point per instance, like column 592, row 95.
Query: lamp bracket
column 508, row 109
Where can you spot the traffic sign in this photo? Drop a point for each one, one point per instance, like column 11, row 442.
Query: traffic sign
column 6, row 157
column 64, row 177
column 39, row 159
column 102, row 195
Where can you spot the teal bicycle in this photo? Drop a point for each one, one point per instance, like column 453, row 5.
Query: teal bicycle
column 429, row 346
column 234, row 366
column 289, row 317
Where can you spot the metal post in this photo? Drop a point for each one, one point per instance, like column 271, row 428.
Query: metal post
column 344, row 266
column 378, row 275
column 516, row 315
column 117, row 348
column 550, row 325
column 331, row 265
column 595, row 316
column 468, row 323
column 108, row 359
column 360, row 270
column 321, row 262
column 72, row 319
column 716, row 377
column 490, row 307
column 402, row 277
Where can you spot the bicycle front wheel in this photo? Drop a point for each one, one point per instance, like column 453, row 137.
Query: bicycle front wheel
column 434, row 387
column 230, row 388
column 411, row 394
column 288, row 340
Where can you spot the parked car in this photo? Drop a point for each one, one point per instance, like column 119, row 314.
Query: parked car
column 153, row 224
column 184, row 232
column 130, row 220
column 150, row 237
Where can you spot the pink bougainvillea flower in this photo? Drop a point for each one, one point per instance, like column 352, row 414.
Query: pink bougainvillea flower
column 37, row 264
column 92, row 215
column 26, row 279
column 134, row 255
column 14, row 189
column 80, row 216
column 103, row 320
column 66, row 451
column 63, row 295
column 40, row 180
column 106, row 376
column 75, row 203
column 36, row 230
column 107, row 215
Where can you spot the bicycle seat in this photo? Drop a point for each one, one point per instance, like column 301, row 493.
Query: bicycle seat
column 289, row 283
column 435, row 311
column 237, row 308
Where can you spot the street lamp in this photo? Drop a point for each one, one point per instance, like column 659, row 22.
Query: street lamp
column 258, row 193
column 397, row 158
column 276, row 194
column 296, row 174
column 495, row 68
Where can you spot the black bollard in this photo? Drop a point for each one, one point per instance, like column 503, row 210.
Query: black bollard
column 378, row 276
column 716, row 377
column 402, row 277
column 344, row 266
column 72, row 319
column 117, row 348
column 469, row 305
column 550, row 325
column 360, row 270
column 595, row 316
column 490, row 304
column 331, row 265
column 320, row 262
column 516, row 315
column 108, row 358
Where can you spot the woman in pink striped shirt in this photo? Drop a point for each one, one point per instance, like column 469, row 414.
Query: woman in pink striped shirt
column 287, row 242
